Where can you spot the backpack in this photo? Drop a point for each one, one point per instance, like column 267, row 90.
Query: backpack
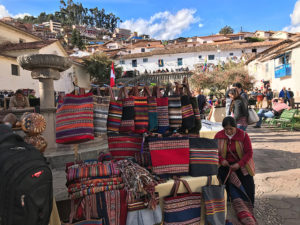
column 26, row 182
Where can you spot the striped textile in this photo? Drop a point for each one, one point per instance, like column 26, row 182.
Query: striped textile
column 188, row 117
column 175, row 113
column 127, row 123
column 74, row 119
column 204, row 158
column 214, row 202
column 152, row 112
column 89, row 222
column 101, row 107
column 140, row 204
column 196, row 129
column 162, row 115
column 95, row 170
column 122, row 146
column 114, row 116
column 141, row 118
column 182, row 209
column 95, row 190
column 169, row 155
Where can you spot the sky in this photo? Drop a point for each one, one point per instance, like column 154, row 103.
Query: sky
column 169, row 19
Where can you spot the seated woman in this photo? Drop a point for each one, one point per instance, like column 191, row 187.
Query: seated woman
column 18, row 101
column 236, row 161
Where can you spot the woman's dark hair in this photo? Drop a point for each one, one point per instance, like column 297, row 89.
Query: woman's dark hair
column 228, row 120
column 19, row 91
column 238, row 85
column 234, row 92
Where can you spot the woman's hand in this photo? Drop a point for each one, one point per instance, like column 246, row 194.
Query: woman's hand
column 225, row 163
column 235, row 166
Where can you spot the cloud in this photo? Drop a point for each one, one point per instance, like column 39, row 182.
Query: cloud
column 4, row 12
column 163, row 25
column 295, row 19
column 200, row 25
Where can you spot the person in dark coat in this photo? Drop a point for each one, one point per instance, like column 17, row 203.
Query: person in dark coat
column 239, row 87
column 285, row 95
column 201, row 102
column 239, row 108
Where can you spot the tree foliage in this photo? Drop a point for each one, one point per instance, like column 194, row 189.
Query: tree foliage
column 226, row 30
column 221, row 78
column 99, row 67
column 76, row 39
column 71, row 13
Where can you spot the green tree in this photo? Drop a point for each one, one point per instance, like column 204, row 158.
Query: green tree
column 99, row 66
column 74, row 38
column 226, row 30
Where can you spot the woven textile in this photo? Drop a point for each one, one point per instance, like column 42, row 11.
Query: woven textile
column 141, row 118
column 196, row 129
column 152, row 112
column 89, row 222
column 101, row 107
column 175, row 113
column 169, row 155
column 94, row 170
column 122, row 146
column 127, row 123
column 214, row 201
column 74, row 119
column 188, row 117
column 204, row 158
column 162, row 114
column 182, row 208
column 114, row 116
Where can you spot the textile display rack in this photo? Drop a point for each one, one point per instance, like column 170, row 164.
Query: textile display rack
column 155, row 157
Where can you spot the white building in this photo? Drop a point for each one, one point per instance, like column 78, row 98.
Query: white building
column 176, row 58
column 121, row 34
column 278, row 65
column 55, row 27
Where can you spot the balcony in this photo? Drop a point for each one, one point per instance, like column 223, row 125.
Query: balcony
column 283, row 70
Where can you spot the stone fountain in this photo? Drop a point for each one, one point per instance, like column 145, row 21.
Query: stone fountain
column 46, row 68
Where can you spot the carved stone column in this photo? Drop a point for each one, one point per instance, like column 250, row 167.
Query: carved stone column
column 46, row 68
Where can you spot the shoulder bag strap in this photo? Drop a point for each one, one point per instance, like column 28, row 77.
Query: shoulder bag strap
column 175, row 187
column 147, row 92
column 111, row 94
column 187, row 186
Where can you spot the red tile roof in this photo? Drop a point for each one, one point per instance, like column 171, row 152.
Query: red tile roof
column 26, row 45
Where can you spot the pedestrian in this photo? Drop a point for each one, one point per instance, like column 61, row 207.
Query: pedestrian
column 236, row 154
column 292, row 100
column 278, row 107
column 285, row 95
column 242, row 93
column 269, row 96
column 228, row 103
column 19, row 101
column 201, row 103
column 259, row 99
column 239, row 108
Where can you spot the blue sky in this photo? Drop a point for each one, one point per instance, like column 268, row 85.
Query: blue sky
column 173, row 18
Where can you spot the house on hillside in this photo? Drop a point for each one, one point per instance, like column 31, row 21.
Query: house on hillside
column 15, row 42
column 187, row 57
column 279, row 65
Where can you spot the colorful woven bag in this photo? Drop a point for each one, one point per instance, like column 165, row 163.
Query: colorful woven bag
column 182, row 208
column 214, row 201
column 196, row 129
column 162, row 111
column 122, row 146
column 74, row 119
column 204, row 158
column 169, row 156
column 114, row 114
column 152, row 110
column 188, row 117
column 127, row 123
column 175, row 113
column 101, row 107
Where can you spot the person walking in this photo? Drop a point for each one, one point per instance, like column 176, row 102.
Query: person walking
column 239, row 108
column 269, row 97
column 259, row 99
column 285, row 95
column 239, row 87
column 291, row 100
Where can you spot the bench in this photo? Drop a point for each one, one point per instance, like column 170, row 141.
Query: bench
column 287, row 117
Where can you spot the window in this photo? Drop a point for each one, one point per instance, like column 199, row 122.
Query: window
column 122, row 62
column 145, row 60
column 142, row 50
column 129, row 51
column 134, row 63
column 254, row 50
column 200, row 56
column 21, row 40
column 267, row 67
column 179, row 61
column 14, row 69
column 211, row 57
column 161, row 63
column 231, row 53
column 204, row 42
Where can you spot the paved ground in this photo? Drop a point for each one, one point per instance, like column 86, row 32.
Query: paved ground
column 277, row 158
